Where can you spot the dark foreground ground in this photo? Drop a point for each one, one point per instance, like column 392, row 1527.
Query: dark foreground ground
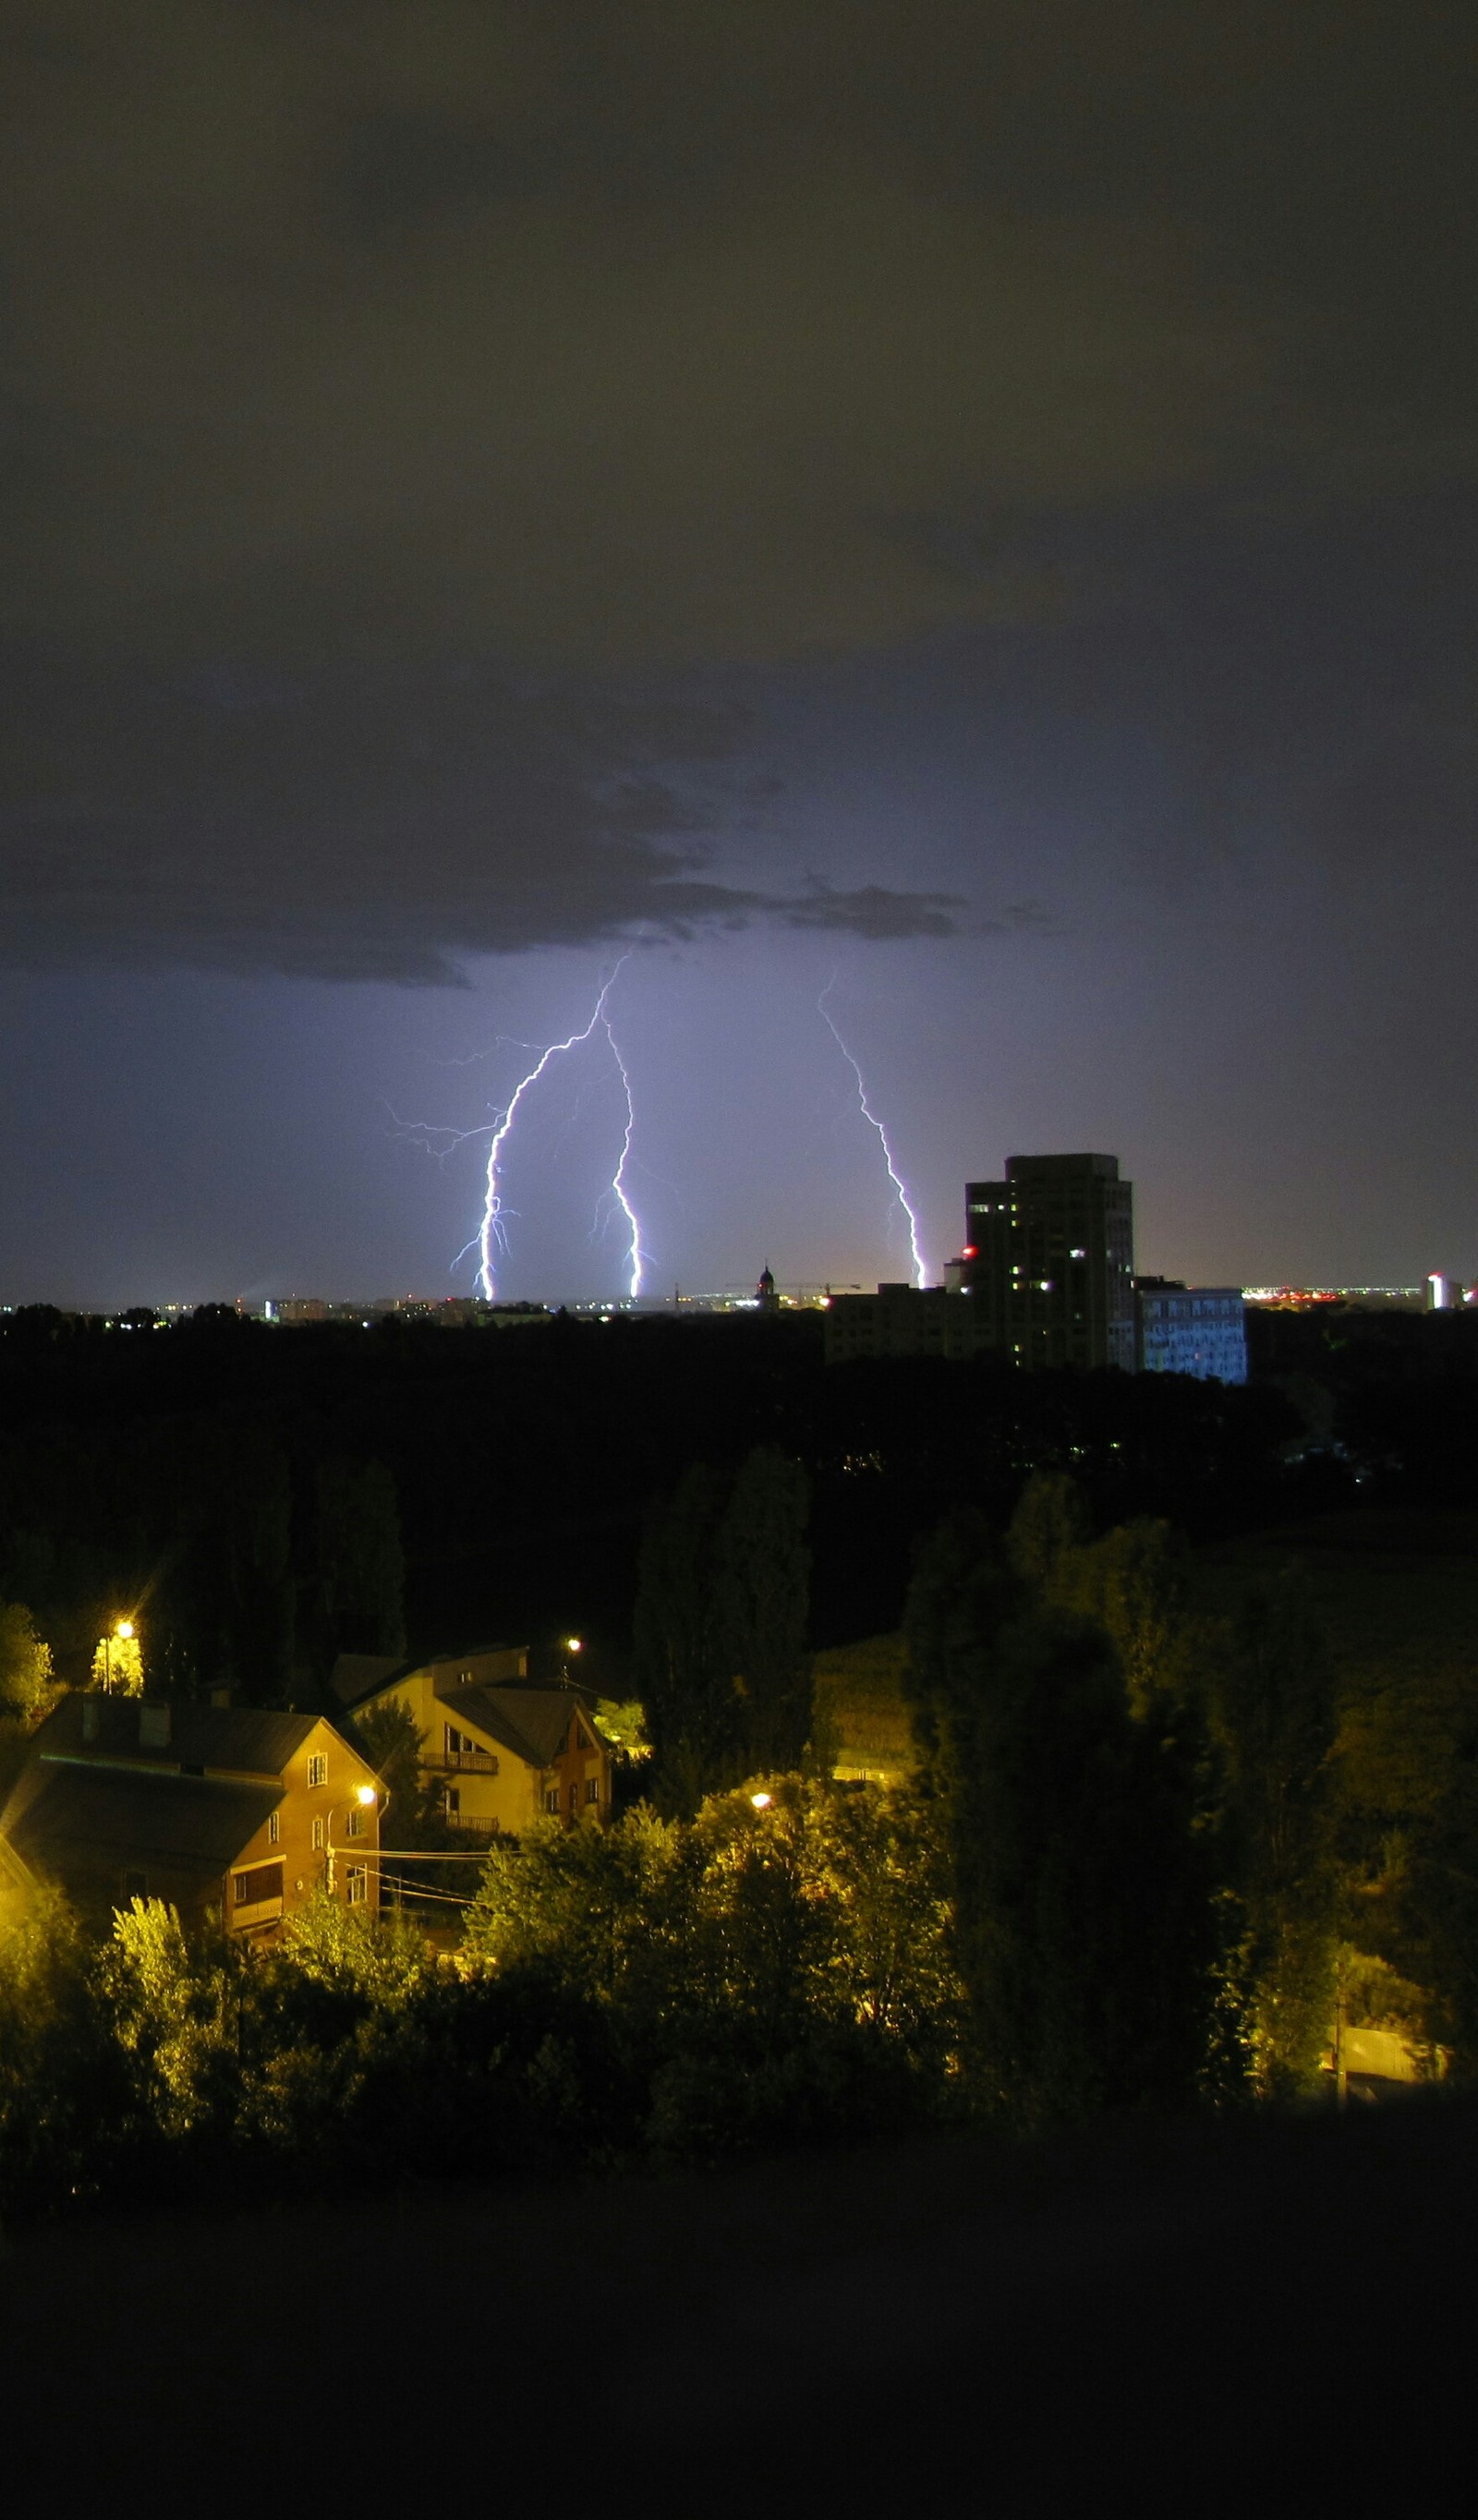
column 1268, row 2318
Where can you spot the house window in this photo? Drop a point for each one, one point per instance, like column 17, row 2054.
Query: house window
column 357, row 1884
column 318, row 1833
column 318, row 1767
column 274, row 1827
column 575, row 1800
column 592, row 1789
column 354, row 1822
column 451, row 1802
column 552, row 1801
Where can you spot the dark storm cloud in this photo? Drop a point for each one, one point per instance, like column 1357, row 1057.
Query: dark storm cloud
column 405, row 398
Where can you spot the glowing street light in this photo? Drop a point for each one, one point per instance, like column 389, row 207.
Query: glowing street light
column 762, row 1802
column 367, row 1797
column 122, row 1632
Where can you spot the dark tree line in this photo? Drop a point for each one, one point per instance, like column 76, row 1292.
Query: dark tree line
column 1141, row 1813
column 721, row 1633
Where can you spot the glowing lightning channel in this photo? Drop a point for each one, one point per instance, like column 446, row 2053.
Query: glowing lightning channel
column 618, row 1177
column 491, row 1238
column 920, row 1266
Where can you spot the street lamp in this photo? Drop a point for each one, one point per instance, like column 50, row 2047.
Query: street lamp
column 123, row 1630
column 366, row 1797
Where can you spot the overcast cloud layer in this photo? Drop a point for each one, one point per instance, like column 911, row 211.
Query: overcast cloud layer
column 429, row 427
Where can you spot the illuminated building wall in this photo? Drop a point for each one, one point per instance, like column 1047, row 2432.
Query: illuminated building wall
column 1200, row 1331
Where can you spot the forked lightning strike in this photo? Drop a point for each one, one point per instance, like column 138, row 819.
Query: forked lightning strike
column 490, row 1240
column 920, row 1266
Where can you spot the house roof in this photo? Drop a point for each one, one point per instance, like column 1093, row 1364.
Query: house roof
column 250, row 1740
column 531, row 1722
column 192, row 1824
column 356, row 1678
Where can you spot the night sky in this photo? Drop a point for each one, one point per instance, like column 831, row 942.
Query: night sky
column 967, row 504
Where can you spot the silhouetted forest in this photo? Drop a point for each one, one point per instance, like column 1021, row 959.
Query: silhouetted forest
column 270, row 1498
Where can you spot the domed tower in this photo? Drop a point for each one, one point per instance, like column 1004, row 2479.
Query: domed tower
column 765, row 1294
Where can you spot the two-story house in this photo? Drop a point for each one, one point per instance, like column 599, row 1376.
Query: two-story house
column 499, row 1750
column 237, row 1808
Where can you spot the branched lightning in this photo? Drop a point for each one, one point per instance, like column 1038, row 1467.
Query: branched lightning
column 490, row 1242
column 920, row 1266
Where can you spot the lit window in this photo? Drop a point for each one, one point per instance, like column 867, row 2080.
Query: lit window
column 357, row 1885
column 318, row 1833
column 318, row 1767
column 274, row 1829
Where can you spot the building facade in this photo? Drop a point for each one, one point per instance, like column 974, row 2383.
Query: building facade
column 240, row 1810
column 1049, row 1262
column 901, row 1320
column 500, row 1751
column 1200, row 1331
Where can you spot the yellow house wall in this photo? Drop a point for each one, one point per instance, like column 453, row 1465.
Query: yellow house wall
column 304, row 1866
column 510, row 1800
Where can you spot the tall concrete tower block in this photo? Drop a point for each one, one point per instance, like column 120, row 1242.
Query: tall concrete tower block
column 1049, row 1256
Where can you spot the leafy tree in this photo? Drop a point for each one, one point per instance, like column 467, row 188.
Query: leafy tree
column 1273, row 1710
column 357, row 1585
column 762, row 1581
column 62, row 2089
column 117, row 1664
column 28, row 1687
column 692, row 1713
column 1050, row 1525
column 1084, row 1897
column 172, row 2011
column 587, row 1905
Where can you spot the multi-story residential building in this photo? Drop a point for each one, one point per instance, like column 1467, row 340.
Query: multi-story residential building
column 499, row 1750
column 1200, row 1331
column 1049, row 1261
column 901, row 1320
column 236, row 1809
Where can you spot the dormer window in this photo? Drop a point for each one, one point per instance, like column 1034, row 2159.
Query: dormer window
column 318, row 1767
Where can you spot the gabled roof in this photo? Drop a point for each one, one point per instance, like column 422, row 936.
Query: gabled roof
column 191, row 1824
column 530, row 1721
column 357, row 1678
column 249, row 1740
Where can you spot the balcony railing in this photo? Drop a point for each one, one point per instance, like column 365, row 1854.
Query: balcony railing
column 451, row 1763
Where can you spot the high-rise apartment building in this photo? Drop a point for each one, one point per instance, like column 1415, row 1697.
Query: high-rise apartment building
column 1049, row 1261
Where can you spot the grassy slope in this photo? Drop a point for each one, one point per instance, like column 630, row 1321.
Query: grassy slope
column 1395, row 1596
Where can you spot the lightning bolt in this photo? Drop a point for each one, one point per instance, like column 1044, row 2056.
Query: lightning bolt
column 490, row 1242
column 920, row 1266
column 618, row 1177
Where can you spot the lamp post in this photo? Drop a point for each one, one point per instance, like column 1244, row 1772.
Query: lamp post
column 123, row 1630
column 366, row 1797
